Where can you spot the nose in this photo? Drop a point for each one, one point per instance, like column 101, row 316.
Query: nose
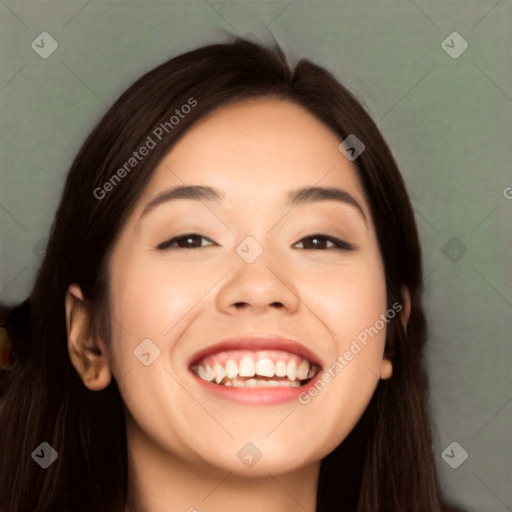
column 258, row 287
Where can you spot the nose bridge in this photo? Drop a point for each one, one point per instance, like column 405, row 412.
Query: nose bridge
column 259, row 279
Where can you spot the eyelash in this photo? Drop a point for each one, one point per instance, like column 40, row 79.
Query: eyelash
column 340, row 244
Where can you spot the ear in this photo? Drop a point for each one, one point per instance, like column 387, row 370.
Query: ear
column 86, row 351
column 386, row 366
column 406, row 305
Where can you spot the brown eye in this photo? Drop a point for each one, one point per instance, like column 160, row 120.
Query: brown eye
column 320, row 242
column 189, row 241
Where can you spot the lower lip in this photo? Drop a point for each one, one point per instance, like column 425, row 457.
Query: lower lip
column 256, row 396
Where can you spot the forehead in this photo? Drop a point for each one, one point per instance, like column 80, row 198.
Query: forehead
column 257, row 146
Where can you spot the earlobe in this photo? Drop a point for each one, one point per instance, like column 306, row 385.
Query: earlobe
column 86, row 351
column 386, row 368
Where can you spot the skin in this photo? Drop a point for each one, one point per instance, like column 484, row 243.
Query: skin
column 182, row 440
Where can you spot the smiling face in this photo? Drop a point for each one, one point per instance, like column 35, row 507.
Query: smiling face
column 259, row 261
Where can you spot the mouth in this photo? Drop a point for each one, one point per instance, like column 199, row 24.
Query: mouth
column 259, row 369
column 255, row 369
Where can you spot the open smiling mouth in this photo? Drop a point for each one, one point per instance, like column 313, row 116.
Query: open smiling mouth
column 255, row 369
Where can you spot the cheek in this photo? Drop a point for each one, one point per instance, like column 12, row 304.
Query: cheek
column 349, row 298
column 150, row 304
column 148, row 299
column 352, row 301
column 151, row 301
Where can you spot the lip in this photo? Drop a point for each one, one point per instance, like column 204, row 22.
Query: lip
column 255, row 342
column 257, row 396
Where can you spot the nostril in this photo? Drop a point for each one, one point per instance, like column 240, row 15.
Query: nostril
column 242, row 305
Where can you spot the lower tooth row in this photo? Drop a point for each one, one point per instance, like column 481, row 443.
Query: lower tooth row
column 260, row 383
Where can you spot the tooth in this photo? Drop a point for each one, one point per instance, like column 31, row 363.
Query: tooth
column 291, row 370
column 208, row 374
column 302, row 371
column 219, row 372
column 247, row 367
column 260, row 383
column 231, row 369
column 289, row 383
column 311, row 372
column 280, row 369
column 265, row 368
column 199, row 370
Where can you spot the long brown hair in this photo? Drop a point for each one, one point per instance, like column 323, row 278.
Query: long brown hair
column 385, row 464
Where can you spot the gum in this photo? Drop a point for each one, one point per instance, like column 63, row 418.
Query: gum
column 238, row 355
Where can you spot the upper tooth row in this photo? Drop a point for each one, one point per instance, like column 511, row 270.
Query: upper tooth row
column 249, row 368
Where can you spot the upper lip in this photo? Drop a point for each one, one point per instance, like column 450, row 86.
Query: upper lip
column 257, row 342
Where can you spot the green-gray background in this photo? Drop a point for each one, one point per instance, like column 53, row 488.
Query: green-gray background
column 447, row 120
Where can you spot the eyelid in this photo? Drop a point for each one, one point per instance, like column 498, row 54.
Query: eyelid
column 338, row 242
column 167, row 243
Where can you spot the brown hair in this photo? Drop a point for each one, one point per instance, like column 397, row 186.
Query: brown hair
column 385, row 464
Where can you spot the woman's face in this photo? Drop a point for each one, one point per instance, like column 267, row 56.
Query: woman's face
column 258, row 267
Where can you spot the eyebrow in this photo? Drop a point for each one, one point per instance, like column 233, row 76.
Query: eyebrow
column 195, row 192
column 294, row 197
column 313, row 194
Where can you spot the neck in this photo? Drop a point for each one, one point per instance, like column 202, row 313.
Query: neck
column 159, row 482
